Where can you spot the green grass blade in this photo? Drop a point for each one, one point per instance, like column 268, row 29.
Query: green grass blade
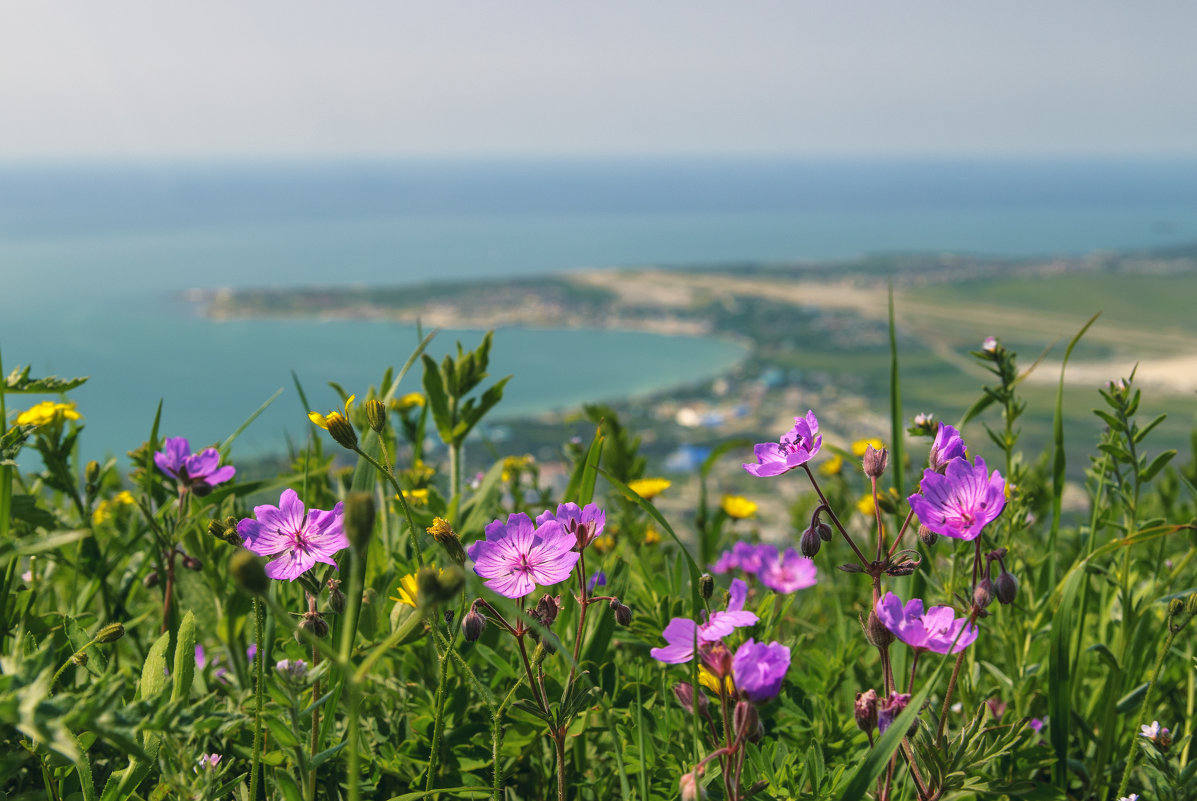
column 224, row 446
column 897, row 430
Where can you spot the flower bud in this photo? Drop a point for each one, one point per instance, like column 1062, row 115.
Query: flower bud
column 875, row 461
column 689, row 786
column 1175, row 607
column 927, row 536
column 191, row 563
column 745, row 720
column 866, row 710
column 150, row 580
column 359, row 519
column 1191, row 604
column 889, row 708
column 336, row 598
column 706, row 586
column 292, row 670
column 623, row 615
column 824, row 531
column 79, row 658
column 313, row 623
column 342, row 431
column 876, row 632
column 110, row 633
column 718, row 659
column 376, row 414
column 546, row 610
column 809, row 543
column 247, row 570
column 685, row 696
column 225, row 530
column 983, row 593
column 1006, row 587
column 434, row 586
column 447, row 538
column 472, row 625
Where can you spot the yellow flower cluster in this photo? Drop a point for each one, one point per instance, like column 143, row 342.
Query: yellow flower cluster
column 107, row 509
column 649, row 488
column 737, row 507
column 47, row 412
column 416, row 497
column 515, row 464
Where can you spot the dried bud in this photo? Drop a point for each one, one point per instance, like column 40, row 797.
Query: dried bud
column 342, row 431
column 191, row 563
column 851, row 567
column 685, row 697
column 313, row 623
column 810, row 543
column 472, row 625
column 706, row 586
column 376, row 414
column 927, row 536
column 983, row 593
column 623, row 615
column 903, row 568
column 1006, row 587
column 110, row 633
column 359, row 519
column 447, row 538
column 150, row 580
column 745, row 720
column 866, row 710
column 876, row 632
column 336, row 598
column 247, row 570
column 875, row 461
column 547, row 609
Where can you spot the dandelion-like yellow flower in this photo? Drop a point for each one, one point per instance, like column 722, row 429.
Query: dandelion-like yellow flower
column 832, row 466
column 651, row 536
column 738, row 507
column 409, row 401
column 408, row 591
column 649, row 488
column 604, row 543
column 416, row 497
column 514, row 464
column 861, row 445
column 333, row 417
column 107, row 509
column 47, row 412
column 709, row 680
column 866, row 506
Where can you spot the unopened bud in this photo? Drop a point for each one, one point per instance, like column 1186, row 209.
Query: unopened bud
column 745, row 720
column 359, row 519
column 247, row 570
column 434, row 586
column 79, row 658
column 342, row 431
column 927, row 536
column 690, row 786
column 111, row 633
column 313, row 623
column 150, row 580
column 91, row 473
column 889, row 708
column 336, row 598
column 1175, row 607
column 191, row 563
column 472, row 625
column 810, row 543
column 1006, row 587
column 685, row 696
column 225, row 530
column 623, row 615
column 376, row 414
column 447, row 538
column 706, row 586
column 983, row 593
column 1191, row 604
column 876, row 632
column 866, row 710
column 875, row 461
column 824, row 531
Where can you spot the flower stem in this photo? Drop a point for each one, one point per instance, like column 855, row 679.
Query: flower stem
column 438, row 723
column 947, row 699
column 1134, row 746
column 834, row 519
column 411, row 523
column 259, row 691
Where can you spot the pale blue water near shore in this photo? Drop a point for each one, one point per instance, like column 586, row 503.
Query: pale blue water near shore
column 92, row 258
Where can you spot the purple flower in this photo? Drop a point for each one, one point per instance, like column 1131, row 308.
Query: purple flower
column 201, row 661
column 596, row 579
column 295, row 670
column 682, row 633
column 746, row 557
column 251, row 651
column 890, row 708
column 759, row 668
column 585, row 524
column 300, row 541
column 209, row 761
column 517, row 556
column 938, row 629
column 948, row 445
column 1036, row 724
column 961, row 502
column 796, row 448
column 192, row 469
column 788, row 572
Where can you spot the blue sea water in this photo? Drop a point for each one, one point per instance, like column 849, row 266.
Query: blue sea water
column 93, row 258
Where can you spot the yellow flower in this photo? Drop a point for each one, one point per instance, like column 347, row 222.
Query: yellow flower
column 861, row 445
column 651, row 536
column 738, row 507
column 709, row 680
column 324, row 421
column 409, row 401
column 416, row 497
column 604, row 543
column 47, row 412
column 649, row 488
column 106, row 509
column 408, row 591
column 866, row 506
column 832, row 466
column 514, row 464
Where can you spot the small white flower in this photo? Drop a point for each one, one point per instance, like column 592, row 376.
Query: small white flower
column 1152, row 731
column 1131, row 797
column 989, row 345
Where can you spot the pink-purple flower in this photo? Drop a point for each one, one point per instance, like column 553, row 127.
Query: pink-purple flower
column 936, row 629
column 682, row 634
column 516, row 556
column 300, row 541
column 962, row 501
column 948, row 445
column 199, row 471
column 746, row 557
column 889, row 708
column 788, row 572
column 796, row 448
column 758, row 669
column 585, row 524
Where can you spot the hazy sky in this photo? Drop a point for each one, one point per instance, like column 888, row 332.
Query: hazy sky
column 517, row 77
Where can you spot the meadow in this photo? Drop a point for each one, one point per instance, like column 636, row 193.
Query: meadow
column 378, row 620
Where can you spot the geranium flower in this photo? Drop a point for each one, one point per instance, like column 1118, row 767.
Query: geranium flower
column 796, row 447
column 962, row 501
column 585, row 524
column 788, row 572
column 759, row 668
column 938, row 629
column 516, row 555
column 300, row 541
column 192, row 470
column 948, row 445
column 681, row 633
column 746, row 557
column 889, row 708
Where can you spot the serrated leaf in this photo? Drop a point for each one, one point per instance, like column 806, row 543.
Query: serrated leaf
column 18, row 381
column 438, row 401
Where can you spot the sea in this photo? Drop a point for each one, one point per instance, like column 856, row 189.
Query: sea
column 96, row 259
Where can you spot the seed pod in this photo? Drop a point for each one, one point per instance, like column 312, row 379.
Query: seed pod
column 313, row 623
column 927, row 536
column 191, row 563
column 875, row 461
column 876, row 632
column 824, row 531
column 150, row 580
column 336, row 598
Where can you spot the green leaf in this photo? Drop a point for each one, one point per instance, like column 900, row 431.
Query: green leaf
column 153, row 672
column 11, row 442
column 224, row 446
column 1145, row 430
column 1131, row 700
column 24, row 507
column 1157, row 464
column 184, row 658
column 438, row 401
column 287, row 786
column 18, row 381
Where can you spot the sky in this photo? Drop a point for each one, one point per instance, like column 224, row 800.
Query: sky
column 311, row 78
